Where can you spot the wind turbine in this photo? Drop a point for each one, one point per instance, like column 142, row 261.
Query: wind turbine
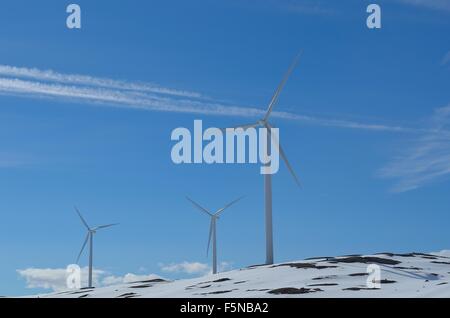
column 212, row 228
column 264, row 123
column 90, row 238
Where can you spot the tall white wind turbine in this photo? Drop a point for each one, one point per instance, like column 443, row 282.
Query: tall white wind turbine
column 212, row 228
column 264, row 123
column 90, row 238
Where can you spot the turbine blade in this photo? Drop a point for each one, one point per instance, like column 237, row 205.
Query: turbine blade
column 281, row 85
column 198, row 206
column 288, row 165
column 283, row 156
column 82, row 248
column 82, row 219
column 210, row 236
column 220, row 211
column 104, row 226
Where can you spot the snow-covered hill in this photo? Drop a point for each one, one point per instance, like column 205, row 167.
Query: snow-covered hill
column 402, row 275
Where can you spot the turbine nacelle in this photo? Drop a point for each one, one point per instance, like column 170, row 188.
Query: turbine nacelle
column 262, row 122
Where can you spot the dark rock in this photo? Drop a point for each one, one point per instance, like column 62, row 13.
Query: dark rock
column 293, row 291
column 324, row 277
column 423, row 255
column 360, row 288
column 142, row 286
column 156, row 280
column 365, row 260
column 127, row 295
column 81, row 291
column 318, row 258
column 305, row 265
column 409, row 268
column 217, row 292
column 385, row 281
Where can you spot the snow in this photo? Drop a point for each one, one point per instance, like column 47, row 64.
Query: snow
column 442, row 253
column 402, row 275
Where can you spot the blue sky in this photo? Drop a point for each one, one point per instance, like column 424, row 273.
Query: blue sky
column 366, row 126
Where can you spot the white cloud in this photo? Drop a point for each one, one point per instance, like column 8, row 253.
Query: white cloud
column 186, row 267
column 34, row 83
column 427, row 159
column 127, row 278
column 55, row 278
column 194, row 268
column 225, row 266
column 44, row 278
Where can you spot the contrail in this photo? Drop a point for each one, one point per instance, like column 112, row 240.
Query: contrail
column 35, row 83
column 51, row 76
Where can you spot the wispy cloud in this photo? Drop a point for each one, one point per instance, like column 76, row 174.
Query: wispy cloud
column 441, row 5
column 55, row 278
column 6, row 163
column 77, row 79
column 34, row 83
column 127, row 278
column 11, row 161
column 194, row 268
column 186, row 268
column 446, row 59
column 427, row 160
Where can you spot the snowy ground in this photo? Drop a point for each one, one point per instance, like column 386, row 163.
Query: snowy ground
column 402, row 275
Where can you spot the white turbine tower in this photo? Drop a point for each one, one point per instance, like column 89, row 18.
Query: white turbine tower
column 90, row 238
column 264, row 123
column 212, row 228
